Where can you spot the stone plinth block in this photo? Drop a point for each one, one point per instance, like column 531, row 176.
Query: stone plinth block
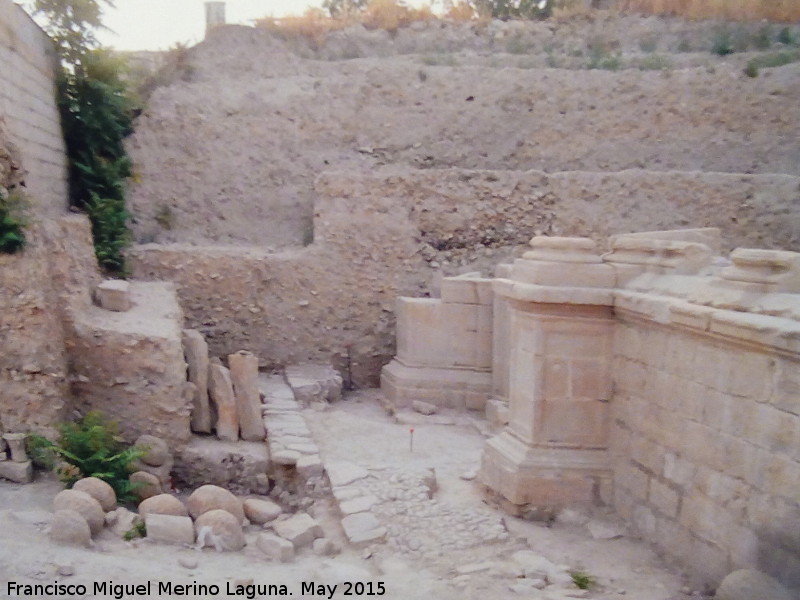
column 523, row 476
column 220, row 390
column 442, row 387
column 244, row 376
column 114, row 294
column 195, row 349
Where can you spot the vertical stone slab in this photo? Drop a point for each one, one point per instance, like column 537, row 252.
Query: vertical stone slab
column 195, row 349
column 220, row 390
column 244, row 375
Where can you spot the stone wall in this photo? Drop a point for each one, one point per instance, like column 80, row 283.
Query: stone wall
column 706, row 434
column 39, row 288
column 27, row 104
column 659, row 377
column 381, row 236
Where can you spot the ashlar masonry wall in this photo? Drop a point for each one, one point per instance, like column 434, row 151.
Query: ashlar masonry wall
column 27, row 104
column 705, row 436
column 660, row 378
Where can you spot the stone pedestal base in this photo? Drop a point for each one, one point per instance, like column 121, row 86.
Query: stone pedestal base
column 444, row 387
column 524, row 476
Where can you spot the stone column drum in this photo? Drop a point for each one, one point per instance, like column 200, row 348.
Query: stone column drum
column 553, row 452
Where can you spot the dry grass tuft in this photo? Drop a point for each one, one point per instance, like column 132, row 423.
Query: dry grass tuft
column 732, row 10
column 313, row 24
column 391, row 15
column 460, row 12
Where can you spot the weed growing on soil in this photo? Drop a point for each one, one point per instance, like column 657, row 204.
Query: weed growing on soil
column 165, row 217
column 13, row 220
column 137, row 531
column 91, row 447
column 582, row 580
column 439, row 60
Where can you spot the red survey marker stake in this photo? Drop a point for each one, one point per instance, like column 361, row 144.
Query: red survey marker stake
column 411, row 439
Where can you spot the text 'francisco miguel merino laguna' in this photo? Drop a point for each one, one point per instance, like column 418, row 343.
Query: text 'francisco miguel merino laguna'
column 121, row 591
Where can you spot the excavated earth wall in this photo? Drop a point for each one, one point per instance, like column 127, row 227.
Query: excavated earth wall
column 378, row 237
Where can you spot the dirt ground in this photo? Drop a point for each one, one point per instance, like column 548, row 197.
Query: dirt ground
column 464, row 565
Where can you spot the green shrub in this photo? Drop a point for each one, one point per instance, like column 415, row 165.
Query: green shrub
column 786, row 37
column 93, row 448
column 655, row 62
column 601, row 59
column 514, row 9
column 97, row 115
column 722, row 42
column 13, row 220
column 763, row 37
column 768, row 61
column 648, row 43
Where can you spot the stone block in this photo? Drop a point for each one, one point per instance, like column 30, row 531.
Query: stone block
column 220, row 530
column 747, row 584
column 244, row 376
column 212, row 497
column 169, row 529
column 195, row 350
column 83, row 504
column 220, row 390
column 276, row 547
column 309, row 466
column 16, row 446
column 114, row 294
column 466, row 289
column 18, row 472
column 146, row 484
column 300, row 529
column 130, row 364
column 313, row 384
column 260, row 511
column 344, row 472
column 364, row 527
column 99, row 490
column 69, row 527
column 497, row 412
column 664, row 498
column 357, row 505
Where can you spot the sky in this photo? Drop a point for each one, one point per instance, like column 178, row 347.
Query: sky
column 160, row 24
